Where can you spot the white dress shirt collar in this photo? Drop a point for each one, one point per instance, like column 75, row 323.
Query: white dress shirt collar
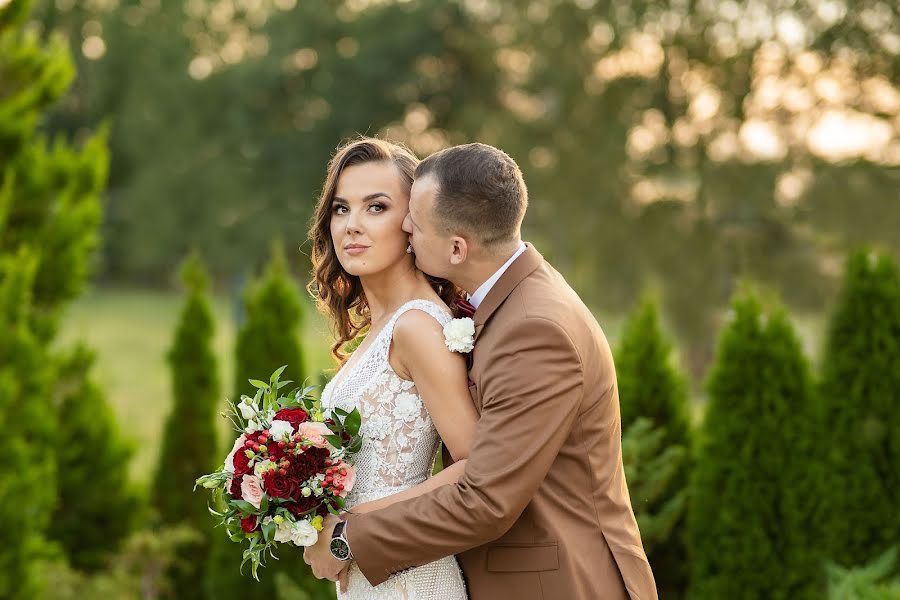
column 479, row 295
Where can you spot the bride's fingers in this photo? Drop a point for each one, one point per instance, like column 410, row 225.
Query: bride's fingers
column 342, row 579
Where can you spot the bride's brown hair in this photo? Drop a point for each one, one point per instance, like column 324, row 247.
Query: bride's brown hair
column 337, row 293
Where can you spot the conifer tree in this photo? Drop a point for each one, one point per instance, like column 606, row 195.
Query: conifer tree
column 90, row 521
column 189, row 447
column 860, row 394
column 268, row 338
column 49, row 214
column 750, row 511
column 650, row 388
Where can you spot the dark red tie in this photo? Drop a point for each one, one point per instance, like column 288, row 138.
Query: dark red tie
column 464, row 308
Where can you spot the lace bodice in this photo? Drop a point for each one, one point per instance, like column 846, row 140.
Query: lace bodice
column 399, row 437
column 399, row 445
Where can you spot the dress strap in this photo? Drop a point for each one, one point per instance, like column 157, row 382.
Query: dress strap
column 439, row 313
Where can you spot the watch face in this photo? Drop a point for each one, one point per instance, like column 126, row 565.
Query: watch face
column 340, row 549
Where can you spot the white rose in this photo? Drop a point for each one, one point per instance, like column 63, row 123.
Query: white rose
column 252, row 426
column 281, row 431
column 304, row 534
column 248, row 408
column 459, row 335
column 284, row 531
column 229, row 460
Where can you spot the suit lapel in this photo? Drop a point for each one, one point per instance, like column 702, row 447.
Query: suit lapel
column 521, row 268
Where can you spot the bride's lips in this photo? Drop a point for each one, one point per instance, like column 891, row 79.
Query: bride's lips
column 354, row 249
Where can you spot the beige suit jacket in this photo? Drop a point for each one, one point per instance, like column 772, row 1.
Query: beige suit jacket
column 542, row 511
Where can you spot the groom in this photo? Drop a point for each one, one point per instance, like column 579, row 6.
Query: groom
column 542, row 511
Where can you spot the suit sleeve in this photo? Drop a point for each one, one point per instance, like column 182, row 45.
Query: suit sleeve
column 530, row 399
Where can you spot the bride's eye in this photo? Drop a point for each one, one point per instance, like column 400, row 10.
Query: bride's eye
column 340, row 209
column 377, row 208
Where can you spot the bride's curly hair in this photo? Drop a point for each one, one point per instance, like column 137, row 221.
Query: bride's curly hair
column 337, row 293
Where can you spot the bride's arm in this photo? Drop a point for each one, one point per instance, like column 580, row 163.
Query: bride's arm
column 419, row 354
column 449, row 475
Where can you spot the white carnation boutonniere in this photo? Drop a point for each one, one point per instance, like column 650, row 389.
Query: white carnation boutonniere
column 459, row 335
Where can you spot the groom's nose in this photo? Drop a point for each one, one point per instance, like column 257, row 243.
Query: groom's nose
column 407, row 224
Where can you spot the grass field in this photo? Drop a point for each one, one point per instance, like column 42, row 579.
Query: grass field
column 131, row 331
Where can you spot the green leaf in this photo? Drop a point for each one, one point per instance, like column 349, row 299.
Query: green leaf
column 258, row 384
column 353, row 422
column 334, row 440
column 244, row 506
column 269, row 530
column 277, row 373
column 281, row 384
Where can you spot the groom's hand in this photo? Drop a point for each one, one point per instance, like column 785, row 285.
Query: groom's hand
column 318, row 556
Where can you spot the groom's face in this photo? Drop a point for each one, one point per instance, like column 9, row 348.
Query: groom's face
column 431, row 248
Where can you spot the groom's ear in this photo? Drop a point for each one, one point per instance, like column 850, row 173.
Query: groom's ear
column 460, row 251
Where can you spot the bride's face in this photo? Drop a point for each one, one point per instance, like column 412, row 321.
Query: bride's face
column 367, row 211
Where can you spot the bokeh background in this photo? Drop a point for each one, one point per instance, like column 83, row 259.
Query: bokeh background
column 719, row 181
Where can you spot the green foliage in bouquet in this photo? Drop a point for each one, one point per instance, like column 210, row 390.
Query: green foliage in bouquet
column 750, row 507
column 91, row 519
column 651, row 388
column 877, row 580
column 860, row 493
column 269, row 334
column 257, row 414
column 189, row 439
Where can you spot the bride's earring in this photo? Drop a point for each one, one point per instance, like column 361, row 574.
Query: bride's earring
column 409, row 249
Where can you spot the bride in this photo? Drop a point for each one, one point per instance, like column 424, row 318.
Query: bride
column 410, row 389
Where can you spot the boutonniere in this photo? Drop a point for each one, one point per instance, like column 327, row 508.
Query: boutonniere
column 459, row 335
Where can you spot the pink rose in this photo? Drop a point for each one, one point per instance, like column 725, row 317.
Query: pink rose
column 251, row 489
column 345, row 475
column 314, row 433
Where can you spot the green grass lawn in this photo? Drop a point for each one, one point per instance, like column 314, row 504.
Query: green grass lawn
column 131, row 331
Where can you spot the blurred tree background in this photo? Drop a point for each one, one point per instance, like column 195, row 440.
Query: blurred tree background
column 669, row 143
column 675, row 146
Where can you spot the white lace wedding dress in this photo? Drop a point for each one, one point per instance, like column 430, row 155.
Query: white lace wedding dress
column 399, row 445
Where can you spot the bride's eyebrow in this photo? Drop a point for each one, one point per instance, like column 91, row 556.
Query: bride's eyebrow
column 366, row 198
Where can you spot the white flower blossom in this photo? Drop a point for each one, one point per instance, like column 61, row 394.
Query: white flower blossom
column 281, row 431
column 252, row 426
column 303, row 533
column 284, row 531
column 407, row 407
column 248, row 408
column 459, row 335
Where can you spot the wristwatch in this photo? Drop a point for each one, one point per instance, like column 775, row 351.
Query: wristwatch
column 340, row 547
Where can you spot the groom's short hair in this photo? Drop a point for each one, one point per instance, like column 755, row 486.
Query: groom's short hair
column 480, row 192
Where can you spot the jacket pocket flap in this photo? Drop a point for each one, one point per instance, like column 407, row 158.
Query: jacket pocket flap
column 522, row 557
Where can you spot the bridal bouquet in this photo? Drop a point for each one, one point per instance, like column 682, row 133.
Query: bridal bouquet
column 289, row 467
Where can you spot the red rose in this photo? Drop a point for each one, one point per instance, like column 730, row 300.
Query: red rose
column 241, row 463
column 302, row 505
column 236, row 487
column 248, row 524
column 309, row 462
column 294, row 416
column 280, row 486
